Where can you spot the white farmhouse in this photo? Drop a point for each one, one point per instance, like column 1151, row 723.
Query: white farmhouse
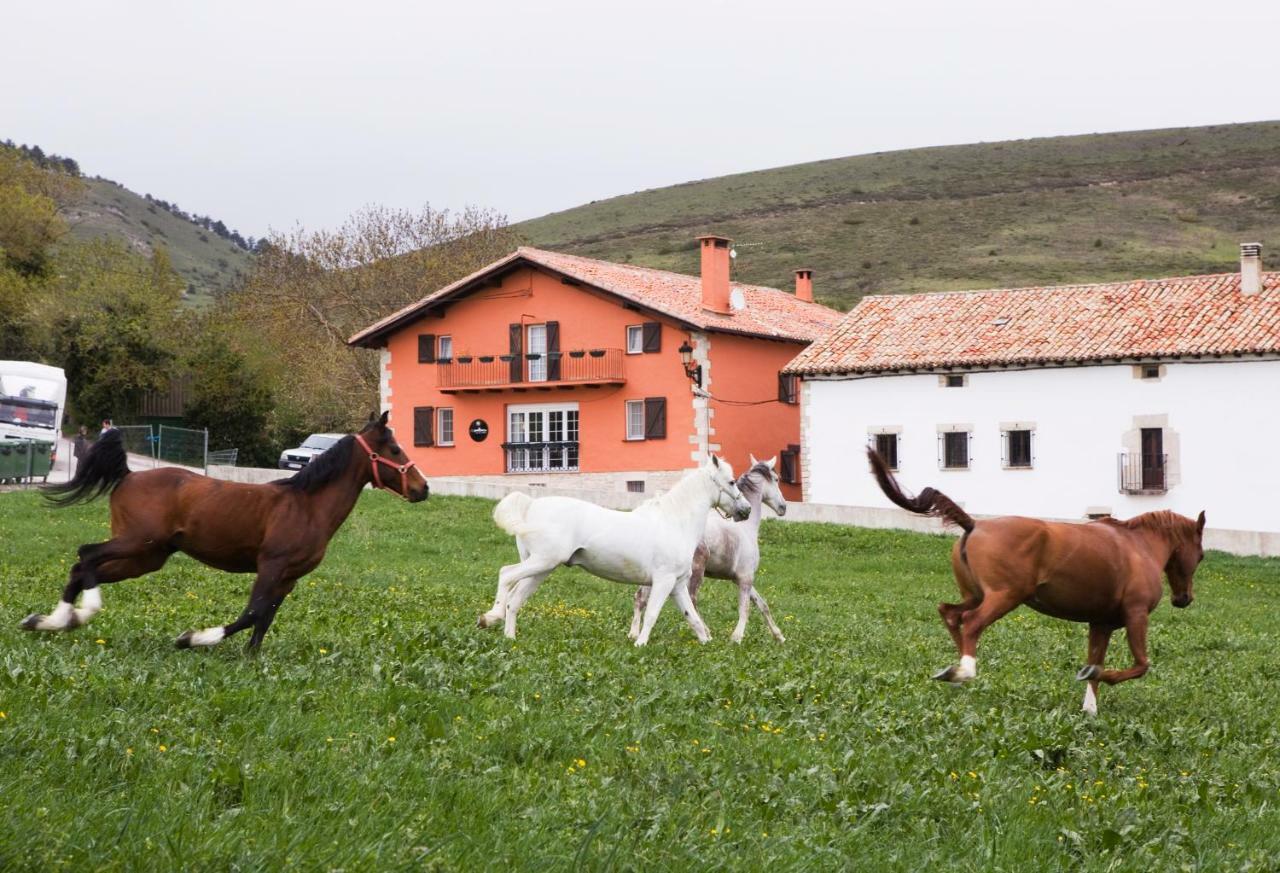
column 1062, row 402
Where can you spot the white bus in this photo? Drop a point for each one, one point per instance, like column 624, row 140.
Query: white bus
column 32, row 399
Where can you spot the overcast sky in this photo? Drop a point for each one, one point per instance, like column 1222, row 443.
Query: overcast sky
column 271, row 114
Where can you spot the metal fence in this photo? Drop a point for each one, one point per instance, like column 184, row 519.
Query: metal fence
column 222, row 458
column 184, row 446
column 139, row 439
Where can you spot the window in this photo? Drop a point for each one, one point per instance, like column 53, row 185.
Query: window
column 955, row 450
column 537, row 354
column 1151, row 371
column 647, row 419
column 1017, row 449
column 446, row 349
column 635, row 419
column 635, row 486
column 426, row 348
column 955, row 380
column 788, row 388
column 887, row 446
column 644, row 338
column 542, row 438
column 423, row 418
column 444, row 426
column 789, row 462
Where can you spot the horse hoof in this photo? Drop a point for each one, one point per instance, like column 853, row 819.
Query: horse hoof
column 184, row 641
column 1088, row 672
column 31, row 621
column 947, row 674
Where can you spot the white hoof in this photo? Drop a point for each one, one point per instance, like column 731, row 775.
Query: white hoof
column 735, row 638
column 1090, row 701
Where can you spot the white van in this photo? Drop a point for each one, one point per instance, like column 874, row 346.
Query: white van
column 32, row 400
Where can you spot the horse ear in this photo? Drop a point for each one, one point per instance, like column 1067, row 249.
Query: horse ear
column 382, row 420
column 772, row 462
column 715, row 462
column 372, row 416
column 752, row 459
column 1200, row 522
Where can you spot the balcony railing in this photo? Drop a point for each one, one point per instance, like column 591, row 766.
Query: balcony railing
column 1142, row 473
column 581, row 367
column 561, row 457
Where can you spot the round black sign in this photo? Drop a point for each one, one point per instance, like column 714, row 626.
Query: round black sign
column 479, row 430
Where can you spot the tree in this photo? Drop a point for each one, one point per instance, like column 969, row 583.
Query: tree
column 231, row 397
column 311, row 290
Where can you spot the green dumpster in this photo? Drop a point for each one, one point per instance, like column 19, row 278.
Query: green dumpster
column 23, row 460
column 41, row 460
column 11, row 462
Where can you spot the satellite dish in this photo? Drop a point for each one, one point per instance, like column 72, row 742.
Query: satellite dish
column 733, row 253
column 737, row 300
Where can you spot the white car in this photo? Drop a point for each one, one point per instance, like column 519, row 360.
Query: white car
column 316, row 444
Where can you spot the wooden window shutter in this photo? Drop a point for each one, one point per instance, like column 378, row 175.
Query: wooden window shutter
column 515, row 332
column 787, row 389
column 553, row 351
column 651, row 337
column 423, row 421
column 655, row 418
column 426, row 348
column 790, row 458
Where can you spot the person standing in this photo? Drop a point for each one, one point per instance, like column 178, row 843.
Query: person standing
column 78, row 448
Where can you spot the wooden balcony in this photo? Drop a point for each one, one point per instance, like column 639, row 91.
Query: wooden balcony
column 574, row 369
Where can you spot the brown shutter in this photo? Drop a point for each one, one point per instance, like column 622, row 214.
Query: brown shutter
column 655, row 418
column 553, row 351
column 787, row 389
column 790, row 457
column 516, row 332
column 423, row 419
column 651, row 337
column 426, row 348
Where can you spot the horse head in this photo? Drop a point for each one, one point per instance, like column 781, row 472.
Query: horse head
column 391, row 468
column 729, row 500
column 766, row 473
column 1181, row 568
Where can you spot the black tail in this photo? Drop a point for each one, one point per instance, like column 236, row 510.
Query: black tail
column 102, row 468
column 929, row 502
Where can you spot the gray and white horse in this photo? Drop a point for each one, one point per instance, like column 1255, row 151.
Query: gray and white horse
column 731, row 550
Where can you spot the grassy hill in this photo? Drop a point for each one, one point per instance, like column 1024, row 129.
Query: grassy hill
column 1061, row 209
column 206, row 261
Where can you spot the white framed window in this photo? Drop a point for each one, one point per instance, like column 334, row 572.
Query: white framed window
column 635, row 419
column 542, row 437
column 635, row 339
column 887, row 445
column 536, row 345
column 444, row 426
column 446, row 349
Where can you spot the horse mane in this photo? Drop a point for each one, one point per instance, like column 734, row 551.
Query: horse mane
column 1178, row 528
column 661, row 500
column 322, row 470
column 746, row 482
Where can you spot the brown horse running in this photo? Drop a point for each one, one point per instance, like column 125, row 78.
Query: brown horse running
column 1105, row 573
column 278, row 530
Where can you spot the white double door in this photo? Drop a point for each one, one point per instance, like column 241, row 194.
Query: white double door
column 542, row 436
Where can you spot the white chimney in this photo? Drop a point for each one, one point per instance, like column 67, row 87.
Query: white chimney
column 1250, row 268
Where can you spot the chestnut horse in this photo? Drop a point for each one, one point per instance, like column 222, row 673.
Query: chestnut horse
column 278, row 530
column 1105, row 573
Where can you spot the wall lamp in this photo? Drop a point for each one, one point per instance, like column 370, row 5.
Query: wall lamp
column 692, row 370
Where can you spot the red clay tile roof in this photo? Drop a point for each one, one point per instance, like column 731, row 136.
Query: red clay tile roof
column 1145, row 318
column 768, row 311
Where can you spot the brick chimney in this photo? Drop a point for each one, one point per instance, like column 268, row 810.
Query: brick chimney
column 715, row 273
column 804, row 285
column 1250, row 268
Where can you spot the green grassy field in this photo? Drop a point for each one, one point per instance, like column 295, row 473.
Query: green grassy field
column 380, row 730
column 1007, row 214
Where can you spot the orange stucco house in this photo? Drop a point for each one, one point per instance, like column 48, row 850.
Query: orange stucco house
column 546, row 366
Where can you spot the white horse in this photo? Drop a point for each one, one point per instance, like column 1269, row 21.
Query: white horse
column 652, row 545
column 731, row 550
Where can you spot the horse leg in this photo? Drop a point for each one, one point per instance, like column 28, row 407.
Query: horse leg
column 112, row 561
column 685, row 601
column 972, row 624
column 951, row 613
column 264, row 599
column 641, row 601
column 495, row 613
column 1099, row 637
column 744, row 608
column 697, row 572
column 1135, row 628
column 758, row 599
column 522, row 592
column 661, row 590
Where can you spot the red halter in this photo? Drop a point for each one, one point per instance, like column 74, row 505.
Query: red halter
column 375, row 459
